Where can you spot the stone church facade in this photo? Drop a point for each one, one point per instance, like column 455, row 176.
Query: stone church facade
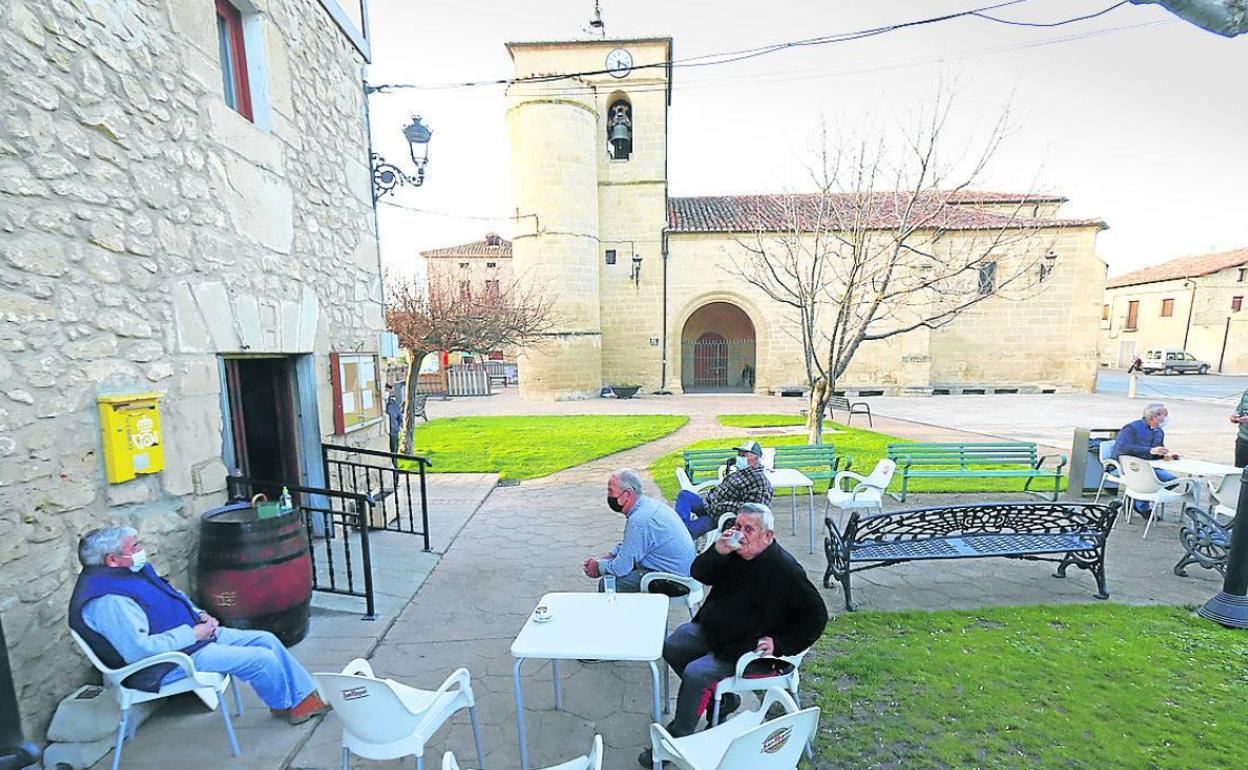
column 160, row 233
column 643, row 278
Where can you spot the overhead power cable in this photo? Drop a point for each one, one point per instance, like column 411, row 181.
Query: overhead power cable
column 714, row 59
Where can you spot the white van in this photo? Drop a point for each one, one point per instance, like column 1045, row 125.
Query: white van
column 1172, row 361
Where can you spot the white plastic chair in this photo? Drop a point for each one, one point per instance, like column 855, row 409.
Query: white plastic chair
column 383, row 719
column 687, row 485
column 591, row 761
column 1112, row 473
column 1225, row 496
column 690, row 600
column 744, row 742
column 768, row 458
column 867, row 494
column 207, row 685
column 738, row 682
column 1140, row 482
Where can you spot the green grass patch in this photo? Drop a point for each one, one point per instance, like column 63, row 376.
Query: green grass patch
column 760, row 420
column 1016, row 688
column 529, row 447
column 866, row 447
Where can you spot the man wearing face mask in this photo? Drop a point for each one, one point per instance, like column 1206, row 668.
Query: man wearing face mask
column 126, row 612
column 745, row 482
column 1146, row 438
column 655, row 540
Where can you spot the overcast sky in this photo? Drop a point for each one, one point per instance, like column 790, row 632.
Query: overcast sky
column 1138, row 118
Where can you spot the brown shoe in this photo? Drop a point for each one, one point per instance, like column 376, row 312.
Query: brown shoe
column 283, row 713
column 311, row 706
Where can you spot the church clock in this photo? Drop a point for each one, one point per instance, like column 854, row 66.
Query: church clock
column 619, row 63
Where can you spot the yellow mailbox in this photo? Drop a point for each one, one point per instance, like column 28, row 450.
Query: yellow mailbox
column 130, row 425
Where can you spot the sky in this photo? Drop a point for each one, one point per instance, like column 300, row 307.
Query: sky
column 1137, row 117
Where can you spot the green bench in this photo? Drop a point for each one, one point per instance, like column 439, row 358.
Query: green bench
column 704, row 464
column 817, row 462
column 993, row 460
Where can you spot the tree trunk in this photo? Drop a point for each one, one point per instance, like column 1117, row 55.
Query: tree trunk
column 820, row 391
column 409, row 404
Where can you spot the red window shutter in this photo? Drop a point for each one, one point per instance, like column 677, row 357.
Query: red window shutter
column 238, row 55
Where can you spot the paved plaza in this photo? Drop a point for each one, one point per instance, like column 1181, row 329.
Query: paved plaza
column 498, row 550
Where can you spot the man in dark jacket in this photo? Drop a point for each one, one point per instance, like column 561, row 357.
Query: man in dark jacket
column 760, row 601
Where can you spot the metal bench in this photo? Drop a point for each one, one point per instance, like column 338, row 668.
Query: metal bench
column 418, row 406
column 994, row 460
column 704, row 464
column 1065, row 533
column 1206, row 540
column 843, row 404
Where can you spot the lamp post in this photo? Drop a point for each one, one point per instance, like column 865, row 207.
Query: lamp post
column 1230, row 605
column 635, row 275
column 387, row 176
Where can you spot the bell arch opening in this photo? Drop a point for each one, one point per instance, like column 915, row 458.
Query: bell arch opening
column 717, row 350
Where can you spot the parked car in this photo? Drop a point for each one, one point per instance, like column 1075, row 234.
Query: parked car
column 1172, row 361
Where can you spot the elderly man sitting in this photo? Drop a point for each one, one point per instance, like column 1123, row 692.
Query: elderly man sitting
column 1146, row 438
column 760, row 600
column 655, row 540
column 126, row 613
column 745, row 482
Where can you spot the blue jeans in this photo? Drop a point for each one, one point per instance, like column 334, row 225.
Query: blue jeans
column 257, row 658
column 688, row 652
column 691, row 509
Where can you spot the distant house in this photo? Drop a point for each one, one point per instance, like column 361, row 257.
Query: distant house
column 477, row 269
column 1193, row 303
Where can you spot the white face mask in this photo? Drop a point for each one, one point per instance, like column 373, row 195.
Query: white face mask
column 1164, row 422
column 138, row 560
column 742, row 463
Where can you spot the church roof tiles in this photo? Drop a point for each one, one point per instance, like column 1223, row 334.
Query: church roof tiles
column 750, row 213
column 490, row 246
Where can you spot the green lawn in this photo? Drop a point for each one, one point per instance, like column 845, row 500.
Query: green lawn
column 864, row 446
column 528, row 447
column 1080, row 686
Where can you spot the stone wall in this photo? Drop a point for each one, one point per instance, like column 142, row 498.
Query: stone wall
column 145, row 229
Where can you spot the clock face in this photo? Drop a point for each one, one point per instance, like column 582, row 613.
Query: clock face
column 619, row 63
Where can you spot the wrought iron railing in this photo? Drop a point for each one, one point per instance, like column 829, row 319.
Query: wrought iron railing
column 387, row 479
column 341, row 564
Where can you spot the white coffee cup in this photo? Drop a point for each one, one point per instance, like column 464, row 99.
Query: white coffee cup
column 542, row 613
column 734, row 539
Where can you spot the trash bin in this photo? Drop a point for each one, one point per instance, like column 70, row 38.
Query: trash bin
column 1085, row 461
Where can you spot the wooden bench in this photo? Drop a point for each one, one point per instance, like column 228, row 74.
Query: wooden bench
column 704, row 464
column 815, row 461
column 1066, row 533
column 995, row 460
column 843, row 404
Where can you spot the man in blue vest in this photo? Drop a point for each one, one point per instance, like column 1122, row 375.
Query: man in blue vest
column 126, row 613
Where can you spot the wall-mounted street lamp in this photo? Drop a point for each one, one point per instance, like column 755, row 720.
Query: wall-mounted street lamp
column 636, row 274
column 387, row 176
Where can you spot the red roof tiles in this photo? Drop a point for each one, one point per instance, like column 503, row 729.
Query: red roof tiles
column 1183, row 267
column 490, row 246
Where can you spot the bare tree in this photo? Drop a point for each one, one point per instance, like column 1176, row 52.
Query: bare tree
column 894, row 239
column 441, row 316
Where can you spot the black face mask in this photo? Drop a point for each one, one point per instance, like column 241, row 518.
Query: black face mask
column 614, row 504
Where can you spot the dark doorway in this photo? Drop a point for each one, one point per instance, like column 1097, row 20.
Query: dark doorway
column 710, row 361
column 262, row 419
column 717, row 350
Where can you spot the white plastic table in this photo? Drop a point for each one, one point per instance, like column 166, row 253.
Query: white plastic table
column 593, row 626
column 1201, row 469
column 793, row 479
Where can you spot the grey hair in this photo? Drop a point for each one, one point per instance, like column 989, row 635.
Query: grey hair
column 99, row 543
column 764, row 514
column 1154, row 409
column 629, row 480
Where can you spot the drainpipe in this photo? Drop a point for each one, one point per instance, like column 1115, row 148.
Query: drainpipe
column 663, row 372
column 1191, row 303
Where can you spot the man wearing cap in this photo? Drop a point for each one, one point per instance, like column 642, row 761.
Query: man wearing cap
column 745, row 482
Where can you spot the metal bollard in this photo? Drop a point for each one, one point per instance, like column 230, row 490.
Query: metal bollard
column 1230, row 605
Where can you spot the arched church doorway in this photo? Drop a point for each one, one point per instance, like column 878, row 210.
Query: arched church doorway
column 717, row 350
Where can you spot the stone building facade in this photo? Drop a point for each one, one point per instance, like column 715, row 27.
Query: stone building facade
column 157, row 236
column 644, row 279
column 1190, row 303
column 478, row 269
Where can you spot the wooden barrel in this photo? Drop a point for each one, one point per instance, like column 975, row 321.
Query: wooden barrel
column 256, row 573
